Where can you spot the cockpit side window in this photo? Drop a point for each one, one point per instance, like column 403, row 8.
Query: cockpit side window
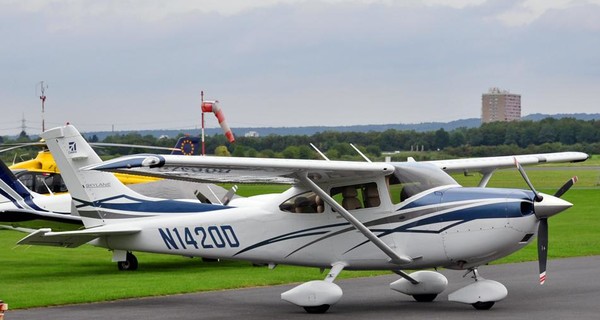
column 27, row 180
column 56, row 183
column 40, row 185
column 307, row 202
column 43, row 182
column 409, row 180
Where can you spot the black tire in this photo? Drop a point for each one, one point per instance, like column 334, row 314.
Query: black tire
column 483, row 305
column 209, row 260
column 317, row 309
column 424, row 297
column 130, row 264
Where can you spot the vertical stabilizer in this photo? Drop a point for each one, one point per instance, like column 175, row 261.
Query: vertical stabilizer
column 90, row 190
column 10, row 188
column 187, row 146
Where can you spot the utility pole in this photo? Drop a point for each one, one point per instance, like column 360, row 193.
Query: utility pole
column 23, row 124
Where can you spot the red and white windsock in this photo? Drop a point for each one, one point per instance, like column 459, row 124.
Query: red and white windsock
column 213, row 106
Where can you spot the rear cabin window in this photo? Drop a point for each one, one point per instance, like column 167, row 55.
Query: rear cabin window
column 357, row 196
column 307, row 202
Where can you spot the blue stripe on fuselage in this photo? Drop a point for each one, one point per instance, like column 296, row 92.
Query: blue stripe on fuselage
column 152, row 206
column 462, row 194
column 499, row 210
column 465, row 194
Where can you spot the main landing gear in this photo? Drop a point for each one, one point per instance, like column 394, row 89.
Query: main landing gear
column 482, row 294
column 318, row 295
column 129, row 264
column 423, row 286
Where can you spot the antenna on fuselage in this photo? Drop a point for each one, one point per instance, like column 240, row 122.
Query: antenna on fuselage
column 319, row 152
column 361, row 154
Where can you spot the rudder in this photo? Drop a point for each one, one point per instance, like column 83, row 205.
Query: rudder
column 88, row 188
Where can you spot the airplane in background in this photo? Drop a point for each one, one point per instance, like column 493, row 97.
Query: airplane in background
column 41, row 174
column 340, row 215
column 22, row 207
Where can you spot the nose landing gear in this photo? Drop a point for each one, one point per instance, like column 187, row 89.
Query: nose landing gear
column 482, row 294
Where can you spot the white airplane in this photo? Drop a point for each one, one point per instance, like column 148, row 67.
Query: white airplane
column 337, row 214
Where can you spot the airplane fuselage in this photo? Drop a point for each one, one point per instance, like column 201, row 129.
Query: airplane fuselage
column 450, row 226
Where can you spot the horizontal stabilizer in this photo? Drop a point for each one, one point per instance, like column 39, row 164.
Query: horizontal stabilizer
column 71, row 239
column 17, row 214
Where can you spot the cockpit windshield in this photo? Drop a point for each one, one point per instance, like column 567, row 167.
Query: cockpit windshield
column 412, row 178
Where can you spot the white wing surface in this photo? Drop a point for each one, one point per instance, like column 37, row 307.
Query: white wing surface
column 242, row 170
column 488, row 164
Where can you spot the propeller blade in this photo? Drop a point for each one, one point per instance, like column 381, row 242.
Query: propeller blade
column 538, row 197
column 566, row 187
column 543, row 248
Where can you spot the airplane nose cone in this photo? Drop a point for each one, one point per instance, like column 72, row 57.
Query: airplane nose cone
column 550, row 206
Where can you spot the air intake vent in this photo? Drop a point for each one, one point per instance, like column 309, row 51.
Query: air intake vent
column 526, row 208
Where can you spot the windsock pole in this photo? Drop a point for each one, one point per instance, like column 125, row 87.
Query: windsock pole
column 213, row 107
column 201, row 102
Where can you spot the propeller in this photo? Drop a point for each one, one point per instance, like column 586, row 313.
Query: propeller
column 545, row 208
column 542, row 243
column 538, row 197
column 565, row 187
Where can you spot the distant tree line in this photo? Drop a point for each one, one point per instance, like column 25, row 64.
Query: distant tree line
column 498, row 138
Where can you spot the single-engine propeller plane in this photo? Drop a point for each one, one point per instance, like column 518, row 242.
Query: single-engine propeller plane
column 337, row 214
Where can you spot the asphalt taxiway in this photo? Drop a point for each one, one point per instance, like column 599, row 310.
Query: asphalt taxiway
column 572, row 291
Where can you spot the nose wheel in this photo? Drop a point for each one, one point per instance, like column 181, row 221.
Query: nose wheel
column 317, row 309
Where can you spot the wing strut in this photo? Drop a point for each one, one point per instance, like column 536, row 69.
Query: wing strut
column 487, row 175
column 395, row 258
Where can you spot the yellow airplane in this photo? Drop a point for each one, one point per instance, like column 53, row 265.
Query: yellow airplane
column 42, row 176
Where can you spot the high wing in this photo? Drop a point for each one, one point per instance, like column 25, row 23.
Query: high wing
column 488, row 164
column 73, row 239
column 242, row 170
column 260, row 170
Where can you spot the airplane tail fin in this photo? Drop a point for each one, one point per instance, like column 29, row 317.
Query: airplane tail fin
column 96, row 195
column 12, row 189
column 187, row 146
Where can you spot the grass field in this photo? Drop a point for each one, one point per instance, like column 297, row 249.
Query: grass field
column 41, row 276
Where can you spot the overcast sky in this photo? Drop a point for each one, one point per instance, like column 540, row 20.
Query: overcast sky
column 141, row 64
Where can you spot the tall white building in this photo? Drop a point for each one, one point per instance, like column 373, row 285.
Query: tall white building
column 500, row 105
